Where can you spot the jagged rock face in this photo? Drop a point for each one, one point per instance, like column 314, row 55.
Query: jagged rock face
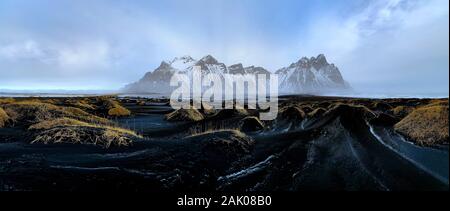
column 314, row 75
column 256, row 70
column 181, row 63
column 209, row 64
column 209, row 60
column 236, row 69
column 157, row 81
column 240, row 69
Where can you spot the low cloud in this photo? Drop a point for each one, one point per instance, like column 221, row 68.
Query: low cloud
column 390, row 46
column 22, row 50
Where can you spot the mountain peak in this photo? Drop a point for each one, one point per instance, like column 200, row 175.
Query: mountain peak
column 322, row 58
column 307, row 75
column 303, row 60
column 236, row 69
column 164, row 65
column 181, row 63
column 238, row 65
column 208, row 59
column 184, row 59
column 319, row 61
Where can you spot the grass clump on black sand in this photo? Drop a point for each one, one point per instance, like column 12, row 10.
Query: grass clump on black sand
column 3, row 117
column 72, row 131
column 7, row 100
column 427, row 125
column 118, row 111
column 402, row 111
column 31, row 112
column 113, row 108
column 185, row 115
column 81, row 104
column 50, row 124
column 60, row 122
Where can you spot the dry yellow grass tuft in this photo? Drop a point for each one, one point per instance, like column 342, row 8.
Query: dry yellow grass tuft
column 113, row 108
column 31, row 111
column 84, row 116
column 34, row 112
column 402, row 111
column 434, row 102
column 66, row 130
column 7, row 100
column 115, row 137
column 119, row 111
column 60, row 122
column 82, row 104
column 192, row 115
column 107, row 103
column 3, row 117
column 426, row 125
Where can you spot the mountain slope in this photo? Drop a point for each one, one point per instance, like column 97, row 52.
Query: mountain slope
column 314, row 75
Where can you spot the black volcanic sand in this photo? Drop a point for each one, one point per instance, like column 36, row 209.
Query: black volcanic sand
column 316, row 143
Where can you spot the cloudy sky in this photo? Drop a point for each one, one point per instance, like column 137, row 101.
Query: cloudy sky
column 380, row 46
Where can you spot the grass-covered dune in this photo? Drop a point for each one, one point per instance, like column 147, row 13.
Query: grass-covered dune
column 74, row 121
column 88, row 120
column 427, row 125
column 421, row 121
column 314, row 143
column 66, row 130
column 3, row 117
column 191, row 115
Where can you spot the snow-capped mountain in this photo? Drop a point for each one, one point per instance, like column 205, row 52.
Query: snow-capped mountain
column 312, row 75
column 181, row 63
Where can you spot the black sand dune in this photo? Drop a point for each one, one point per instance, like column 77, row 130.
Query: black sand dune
column 316, row 143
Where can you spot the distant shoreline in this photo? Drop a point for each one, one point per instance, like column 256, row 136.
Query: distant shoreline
column 157, row 95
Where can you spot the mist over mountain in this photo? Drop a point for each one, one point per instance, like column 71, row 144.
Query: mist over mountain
column 307, row 76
